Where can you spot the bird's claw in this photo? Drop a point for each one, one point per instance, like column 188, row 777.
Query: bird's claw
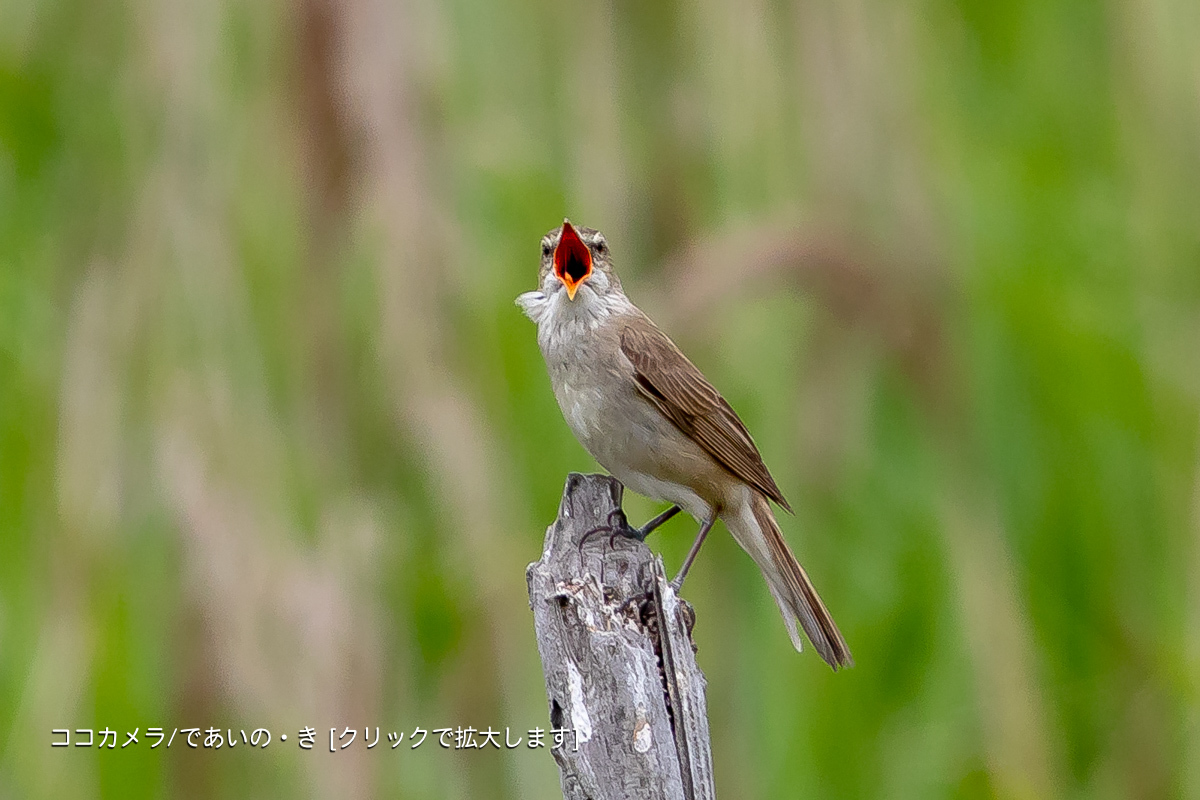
column 617, row 525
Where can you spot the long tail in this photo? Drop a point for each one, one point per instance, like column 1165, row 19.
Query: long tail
column 755, row 529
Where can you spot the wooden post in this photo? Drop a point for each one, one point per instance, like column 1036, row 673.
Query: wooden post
column 616, row 649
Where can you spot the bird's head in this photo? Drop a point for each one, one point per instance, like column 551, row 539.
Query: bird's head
column 576, row 261
column 576, row 280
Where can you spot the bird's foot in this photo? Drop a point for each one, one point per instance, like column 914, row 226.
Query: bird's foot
column 617, row 525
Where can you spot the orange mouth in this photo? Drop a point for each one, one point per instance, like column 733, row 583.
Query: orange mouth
column 572, row 259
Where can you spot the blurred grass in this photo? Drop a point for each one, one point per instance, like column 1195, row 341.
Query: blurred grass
column 275, row 445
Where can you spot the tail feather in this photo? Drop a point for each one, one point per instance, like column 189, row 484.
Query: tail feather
column 759, row 535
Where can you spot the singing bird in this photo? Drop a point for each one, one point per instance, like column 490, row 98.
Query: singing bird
column 648, row 415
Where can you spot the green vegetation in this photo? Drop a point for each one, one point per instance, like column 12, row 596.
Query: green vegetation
column 276, row 446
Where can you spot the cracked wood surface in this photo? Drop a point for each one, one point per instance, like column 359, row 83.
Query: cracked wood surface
column 617, row 653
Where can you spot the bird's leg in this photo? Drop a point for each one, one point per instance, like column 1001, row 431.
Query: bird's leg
column 618, row 525
column 677, row 584
column 640, row 534
column 650, row 526
column 623, row 528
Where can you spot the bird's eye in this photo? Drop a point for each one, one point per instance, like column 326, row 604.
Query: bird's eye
column 546, row 248
column 601, row 246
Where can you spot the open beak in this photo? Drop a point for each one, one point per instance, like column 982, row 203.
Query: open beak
column 572, row 259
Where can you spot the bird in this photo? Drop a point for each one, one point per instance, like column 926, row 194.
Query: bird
column 650, row 417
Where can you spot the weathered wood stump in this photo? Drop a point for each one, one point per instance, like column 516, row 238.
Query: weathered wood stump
column 616, row 649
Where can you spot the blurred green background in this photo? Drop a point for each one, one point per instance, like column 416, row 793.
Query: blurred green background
column 276, row 446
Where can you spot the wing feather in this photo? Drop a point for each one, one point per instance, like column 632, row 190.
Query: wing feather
column 680, row 391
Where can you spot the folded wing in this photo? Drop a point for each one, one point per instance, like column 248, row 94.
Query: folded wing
column 680, row 391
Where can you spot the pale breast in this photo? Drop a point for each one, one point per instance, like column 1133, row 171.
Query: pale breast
column 594, row 384
column 626, row 434
column 589, row 388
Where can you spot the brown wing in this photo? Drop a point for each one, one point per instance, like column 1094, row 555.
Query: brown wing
column 677, row 388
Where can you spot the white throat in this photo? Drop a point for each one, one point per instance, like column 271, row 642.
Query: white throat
column 561, row 319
